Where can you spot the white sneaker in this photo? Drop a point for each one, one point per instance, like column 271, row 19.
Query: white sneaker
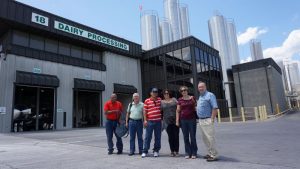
column 155, row 154
column 144, row 155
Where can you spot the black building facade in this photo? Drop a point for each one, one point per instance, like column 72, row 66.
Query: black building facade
column 183, row 62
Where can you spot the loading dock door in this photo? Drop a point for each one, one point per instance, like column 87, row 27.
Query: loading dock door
column 34, row 102
column 87, row 103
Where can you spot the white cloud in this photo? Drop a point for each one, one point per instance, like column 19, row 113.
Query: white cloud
column 289, row 48
column 248, row 59
column 251, row 33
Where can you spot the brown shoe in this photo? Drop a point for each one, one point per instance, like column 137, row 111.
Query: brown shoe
column 211, row 159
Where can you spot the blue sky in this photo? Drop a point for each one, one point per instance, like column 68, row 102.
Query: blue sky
column 275, row 23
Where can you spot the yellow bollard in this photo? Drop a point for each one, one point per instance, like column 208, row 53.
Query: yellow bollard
column 260, row 113
column 219, row 116
column 265, row 112
column 256, row 114
column 277, row 109
column 230, row 115
column 243, row 114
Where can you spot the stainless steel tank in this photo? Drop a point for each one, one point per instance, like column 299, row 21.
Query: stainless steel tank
column 233, row 44
column 185, row 23
column 165, row 31
column 171, row 8
column 150, row 30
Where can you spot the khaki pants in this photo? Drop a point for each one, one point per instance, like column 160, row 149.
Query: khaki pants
column 208, row 136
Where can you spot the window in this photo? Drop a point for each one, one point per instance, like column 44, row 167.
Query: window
column 51, row 45
column 197, row 54
column 20, row 38
column 76, row 52
column 198, row 67
column 210, row 59
column 177, row 54
column 36, row 42
column 87, row 54
column 205, row 58
column 64, row 49
column 186, row 54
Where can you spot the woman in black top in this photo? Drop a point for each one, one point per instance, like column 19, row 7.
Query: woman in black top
column 168, row 107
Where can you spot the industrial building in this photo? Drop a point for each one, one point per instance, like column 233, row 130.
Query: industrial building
column 184, row 62
column 56, row 73
column 259, row 83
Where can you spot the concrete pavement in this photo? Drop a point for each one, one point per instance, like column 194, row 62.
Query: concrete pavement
column 273, row 144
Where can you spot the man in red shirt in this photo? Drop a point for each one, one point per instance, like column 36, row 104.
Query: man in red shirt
column 113, row 110
column 152, row 122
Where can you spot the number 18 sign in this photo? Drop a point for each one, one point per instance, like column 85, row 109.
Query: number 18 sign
column 39, row 19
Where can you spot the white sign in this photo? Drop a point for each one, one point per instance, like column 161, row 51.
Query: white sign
column 60, row 110
column 2, row 110
column 89, row 35
column 40, row 19
column 37, row 70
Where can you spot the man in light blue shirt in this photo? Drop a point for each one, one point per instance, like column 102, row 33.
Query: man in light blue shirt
column 207, row 110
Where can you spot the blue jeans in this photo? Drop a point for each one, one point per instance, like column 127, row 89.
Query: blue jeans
column 156, row 127
column 136, row 129
column 188, row 128
column 110, row 127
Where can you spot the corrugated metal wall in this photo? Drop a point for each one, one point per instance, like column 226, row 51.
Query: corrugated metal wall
column 120, row 69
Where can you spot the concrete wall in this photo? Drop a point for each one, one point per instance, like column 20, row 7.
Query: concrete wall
column 120, row 69
column 252, row 89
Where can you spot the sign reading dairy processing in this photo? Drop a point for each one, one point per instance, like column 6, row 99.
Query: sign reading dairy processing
column 89, row 35
column 42, row 20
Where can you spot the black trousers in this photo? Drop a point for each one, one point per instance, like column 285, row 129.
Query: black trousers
column 173, row 133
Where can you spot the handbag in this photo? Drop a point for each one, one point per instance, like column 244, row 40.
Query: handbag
column 122, row 130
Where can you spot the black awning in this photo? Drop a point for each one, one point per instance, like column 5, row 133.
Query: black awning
column 82, row 84
column 34, row 79
column 127, row 89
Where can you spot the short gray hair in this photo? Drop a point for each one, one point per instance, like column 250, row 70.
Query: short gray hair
column 135, row 94
column 201, row 82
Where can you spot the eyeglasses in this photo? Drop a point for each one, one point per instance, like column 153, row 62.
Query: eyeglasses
column 183, row 90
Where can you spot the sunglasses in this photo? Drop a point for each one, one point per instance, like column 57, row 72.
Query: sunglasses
column 183, row 90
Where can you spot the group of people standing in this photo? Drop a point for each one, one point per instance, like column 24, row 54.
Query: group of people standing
column 156, row 114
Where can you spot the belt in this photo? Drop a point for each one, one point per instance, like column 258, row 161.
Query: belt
column 202, row 118
column 111, row 120
column 134, row 119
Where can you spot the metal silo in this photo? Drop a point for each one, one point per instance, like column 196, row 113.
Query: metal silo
column 219, row 40
column 150, row 30
column 185, row 23
column 171, row 8
column 233, row 44
column 165, row 31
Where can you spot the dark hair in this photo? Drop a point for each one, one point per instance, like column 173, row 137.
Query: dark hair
column 167, row 90
column 181, row 87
